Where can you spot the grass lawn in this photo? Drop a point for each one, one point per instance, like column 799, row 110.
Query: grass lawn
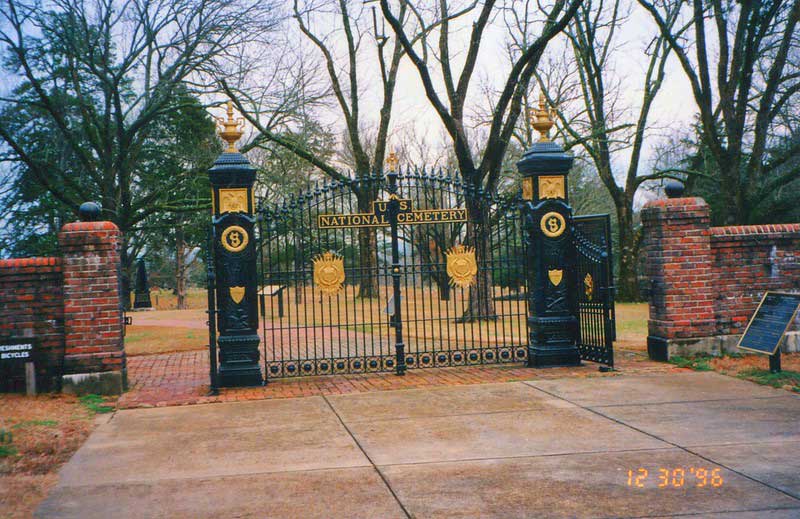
column 631, row 326
column 152, row 340
column 168, row 330
column 164, row 299
column 754, row 368
column 38, row 435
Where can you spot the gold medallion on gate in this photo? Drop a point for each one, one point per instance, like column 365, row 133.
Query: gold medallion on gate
column 461, row 265
column 555, row 275
column 329, row 273
column 234, row 238
column 588, row 286
column 237, row 294
column 552, row 224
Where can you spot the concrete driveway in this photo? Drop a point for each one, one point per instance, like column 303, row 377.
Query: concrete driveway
column 629, row 446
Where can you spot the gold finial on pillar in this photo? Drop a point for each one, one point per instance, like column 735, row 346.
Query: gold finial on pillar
column 392, row 161
column 542, row 119
column 230, row 129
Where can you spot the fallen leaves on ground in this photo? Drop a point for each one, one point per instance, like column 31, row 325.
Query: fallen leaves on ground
column 37, row 435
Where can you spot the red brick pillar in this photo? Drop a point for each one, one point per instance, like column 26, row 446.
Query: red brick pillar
column 94, row 360
column 679, row 267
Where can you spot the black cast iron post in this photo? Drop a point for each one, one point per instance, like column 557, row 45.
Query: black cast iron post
column 551, row 269
column 234, row 251
column 393, row 209
column 212, row 313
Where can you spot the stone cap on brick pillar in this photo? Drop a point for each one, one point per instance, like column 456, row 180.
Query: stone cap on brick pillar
column 81, row 235
column 675, row 208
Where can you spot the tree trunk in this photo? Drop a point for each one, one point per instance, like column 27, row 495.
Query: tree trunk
column 367, row 250
column 125, row 274
column 481, row 300
column 443, row 283
column 180, row 268
column 627, row 280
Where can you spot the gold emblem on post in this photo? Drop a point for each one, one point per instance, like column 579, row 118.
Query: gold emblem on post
column 234, row 239
column 551, row 187
column 392, row 161
column 552, row 224
column 588, row 286
column 237, row 294
column 555, row 275
column 527, row 188
column 461, row 265
column 232, row 200
column 329, row 273
column 230, row 129
column 542, row 119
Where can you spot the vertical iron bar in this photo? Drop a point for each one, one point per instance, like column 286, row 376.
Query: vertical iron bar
column 212, row 314
column 393, row 209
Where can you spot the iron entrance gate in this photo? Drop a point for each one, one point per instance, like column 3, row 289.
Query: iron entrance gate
column 596, row 319
column 317, row 321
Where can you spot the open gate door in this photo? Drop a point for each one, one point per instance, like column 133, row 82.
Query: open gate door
column 596, row 319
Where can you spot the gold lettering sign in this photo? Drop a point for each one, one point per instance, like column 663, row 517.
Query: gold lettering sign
column 379, row 216
column 552, row 224
column 233, row 200
column 555, row 275
column 588, row 285
column 237, row 294
column 461, row 265
column 234, row 239
column 329, row 273
column 551, row 187
column 527, row 188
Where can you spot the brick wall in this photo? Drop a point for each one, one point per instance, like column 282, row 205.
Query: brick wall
column 92, row 314
column 748, row 261
column 71, row 304
column 32, row 305
column 705, row 282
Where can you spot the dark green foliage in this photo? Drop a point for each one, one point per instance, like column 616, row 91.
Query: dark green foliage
column 765, row 377
column 697, row 363
column 96, row 404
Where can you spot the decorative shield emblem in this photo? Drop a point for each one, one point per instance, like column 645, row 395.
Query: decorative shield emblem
column 461, row 265
column 329, row 273
column 237, row 294
column 555, row 275
column 588, row 285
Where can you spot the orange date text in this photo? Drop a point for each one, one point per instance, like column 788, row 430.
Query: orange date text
column 679, row 477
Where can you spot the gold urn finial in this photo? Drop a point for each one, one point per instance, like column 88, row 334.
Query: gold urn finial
column 230, row 129
column 392, row 161
column 542, row 119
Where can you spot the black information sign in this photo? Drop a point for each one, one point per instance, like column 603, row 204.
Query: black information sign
column 16, row 349
column 772, row 319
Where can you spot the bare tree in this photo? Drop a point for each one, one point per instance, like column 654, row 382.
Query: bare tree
column 103, row 75
column 435, row 58
column 594, row 117
column 344, row 83
column 742, row 80
column 346, row 76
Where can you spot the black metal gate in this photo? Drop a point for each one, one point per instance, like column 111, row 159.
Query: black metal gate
column 319, row 328
column 595, row 277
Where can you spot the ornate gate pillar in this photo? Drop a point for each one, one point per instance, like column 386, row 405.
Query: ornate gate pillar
column 552, row 285
column 233, row 220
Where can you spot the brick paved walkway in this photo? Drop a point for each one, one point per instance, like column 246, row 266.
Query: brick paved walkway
column 182, row 378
